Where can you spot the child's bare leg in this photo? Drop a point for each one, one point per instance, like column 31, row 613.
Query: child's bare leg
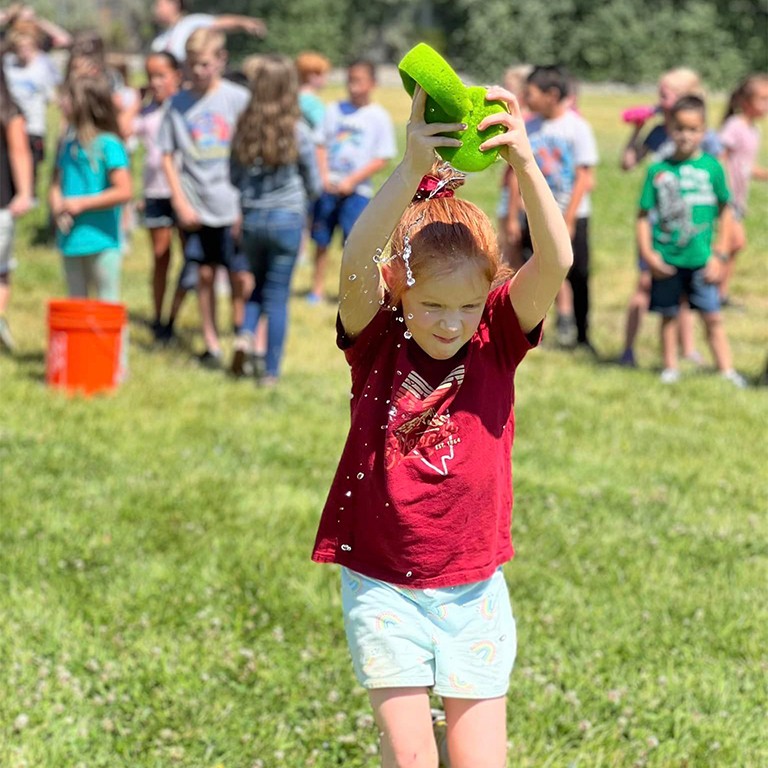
column 638, row 306
column 5, row 292
column 685, row 329
column 321, row 264
column 738, row 241
column 564, row 300
column 718, row 341
column 242, row 287
column 405, row 724
column 472, row 723
column 161, row 250
column 205, row 298
column 669, row 342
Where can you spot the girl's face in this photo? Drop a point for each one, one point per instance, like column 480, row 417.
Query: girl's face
column 667, row 96
column 163, row 78
column 756, row 106
column 442, row 312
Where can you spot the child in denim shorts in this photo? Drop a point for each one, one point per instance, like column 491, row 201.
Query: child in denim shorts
column 419, row 511
column 688, row 193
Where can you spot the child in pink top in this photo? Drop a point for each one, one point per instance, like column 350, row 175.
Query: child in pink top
column 419, row 511
column 741, row 139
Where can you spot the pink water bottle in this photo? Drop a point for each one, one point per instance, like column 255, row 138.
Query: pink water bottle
column 638, row 115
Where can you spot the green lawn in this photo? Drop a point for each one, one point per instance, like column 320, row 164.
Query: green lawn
column 157, row 602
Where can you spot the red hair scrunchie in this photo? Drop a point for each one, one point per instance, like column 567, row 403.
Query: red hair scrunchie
column 428, row 185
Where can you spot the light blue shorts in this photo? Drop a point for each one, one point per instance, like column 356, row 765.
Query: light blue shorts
column 461, row 641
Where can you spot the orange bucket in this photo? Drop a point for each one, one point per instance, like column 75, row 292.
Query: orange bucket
column 85, row 345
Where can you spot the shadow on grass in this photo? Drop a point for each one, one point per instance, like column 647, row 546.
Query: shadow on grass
column 32, row 364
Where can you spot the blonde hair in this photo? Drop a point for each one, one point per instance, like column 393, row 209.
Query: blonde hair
column 443, row 232
column 683, row 81
column 24, row 30
column 206, row 39
column 310, row 63
column 251, row 66
column 266, row 130
column 516, row 76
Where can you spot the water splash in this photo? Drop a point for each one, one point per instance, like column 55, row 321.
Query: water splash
column 346, row 547
column 408, row 335
column 360, row 475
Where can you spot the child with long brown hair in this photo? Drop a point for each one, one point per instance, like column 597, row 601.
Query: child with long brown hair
column 740, row 137
column 16, row 190
column 91, row 181
column 419, row 511
column 273, row 165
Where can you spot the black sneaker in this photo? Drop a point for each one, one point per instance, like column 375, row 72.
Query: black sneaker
column 157, row 330
column 211, row 360
column 586, row 346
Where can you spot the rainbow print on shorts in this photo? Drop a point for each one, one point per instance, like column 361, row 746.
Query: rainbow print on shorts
column 484, row 651
column 458, row 685
column 488, row 608
column 355, row 583
column 441, row 612
column 387, row 620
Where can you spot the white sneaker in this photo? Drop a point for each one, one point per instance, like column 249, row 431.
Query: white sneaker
column 670, row 376
column 735, row 378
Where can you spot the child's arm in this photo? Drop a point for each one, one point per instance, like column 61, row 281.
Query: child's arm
column 119, row 191
column 635, row 150
column 21, row 166
column 233, row 23
column 347, row 185
column 188, row 216
column 583, row 183
column 360, row 287
column 659, row 267
column 713, row 269
column 759, row 173
column 513, row 229
column 534, row 287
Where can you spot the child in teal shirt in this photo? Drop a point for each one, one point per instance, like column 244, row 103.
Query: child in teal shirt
column 689, row 194
column 91, row 181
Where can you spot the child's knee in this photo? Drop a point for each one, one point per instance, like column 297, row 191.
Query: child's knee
column 712, row 320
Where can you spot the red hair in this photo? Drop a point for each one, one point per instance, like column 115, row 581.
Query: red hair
column 443, row 232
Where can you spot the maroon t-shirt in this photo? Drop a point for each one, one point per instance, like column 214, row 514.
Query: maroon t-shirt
column 423, row 493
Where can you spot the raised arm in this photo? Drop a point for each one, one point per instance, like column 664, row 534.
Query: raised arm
column 228, row 22
column 534, row 287
column 360, row 286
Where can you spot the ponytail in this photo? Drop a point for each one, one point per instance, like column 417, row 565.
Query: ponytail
column 743, row 92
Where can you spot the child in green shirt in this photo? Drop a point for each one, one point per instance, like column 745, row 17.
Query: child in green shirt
column 689, row 195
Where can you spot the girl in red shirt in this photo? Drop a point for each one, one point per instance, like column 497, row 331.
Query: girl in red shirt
column 419, row 512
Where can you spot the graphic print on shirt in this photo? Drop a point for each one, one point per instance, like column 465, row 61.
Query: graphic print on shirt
column 675, row 198
column 345, row 148
column 212, row 136
column 420, row 424
column 554, row 156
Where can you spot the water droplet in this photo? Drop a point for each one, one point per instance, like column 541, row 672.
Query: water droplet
column 409, row 574
column 348, row 494
column 386, row 504
column 408, row 335
column 360, row 475
column 381, row 302
column 346, row 547
column 399, row 319
column 394, row 309
column 353, row 277
column 399, row 373
column 410, row 282
column 410, row 317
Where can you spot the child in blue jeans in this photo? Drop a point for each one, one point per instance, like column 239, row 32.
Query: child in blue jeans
column 91, row 181
column 273, row 165
column 357, row 140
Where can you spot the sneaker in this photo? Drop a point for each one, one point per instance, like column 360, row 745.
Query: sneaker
column 627, row 360
column 157, row 330
column 670, row 376
column 440, row 727
column 586, row 346
column 735, row 378
column 6, row 340
column 565, row 331
column 210, row 360
column 242, row 357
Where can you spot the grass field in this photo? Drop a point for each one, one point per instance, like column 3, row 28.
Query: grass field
column 157, row 602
